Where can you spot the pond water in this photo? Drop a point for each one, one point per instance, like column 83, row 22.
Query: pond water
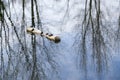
column 26, row 56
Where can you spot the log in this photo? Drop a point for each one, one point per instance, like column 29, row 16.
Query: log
column 50, row 37
column 33, row 30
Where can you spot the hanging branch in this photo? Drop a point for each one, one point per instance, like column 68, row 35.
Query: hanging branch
column 37, row 13
column 32, row 13
column 23, row 13
column 33, row 41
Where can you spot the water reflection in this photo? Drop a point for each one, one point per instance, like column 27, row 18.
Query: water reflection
column 30, row 57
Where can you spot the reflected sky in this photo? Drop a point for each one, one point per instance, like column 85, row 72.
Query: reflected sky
column 31, row 57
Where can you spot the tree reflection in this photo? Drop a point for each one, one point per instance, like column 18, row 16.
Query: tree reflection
column 30, row 57
column 92, row 37
column 22, row 57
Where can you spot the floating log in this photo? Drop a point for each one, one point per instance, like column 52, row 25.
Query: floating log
column 33, row 30
column 50, row 37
